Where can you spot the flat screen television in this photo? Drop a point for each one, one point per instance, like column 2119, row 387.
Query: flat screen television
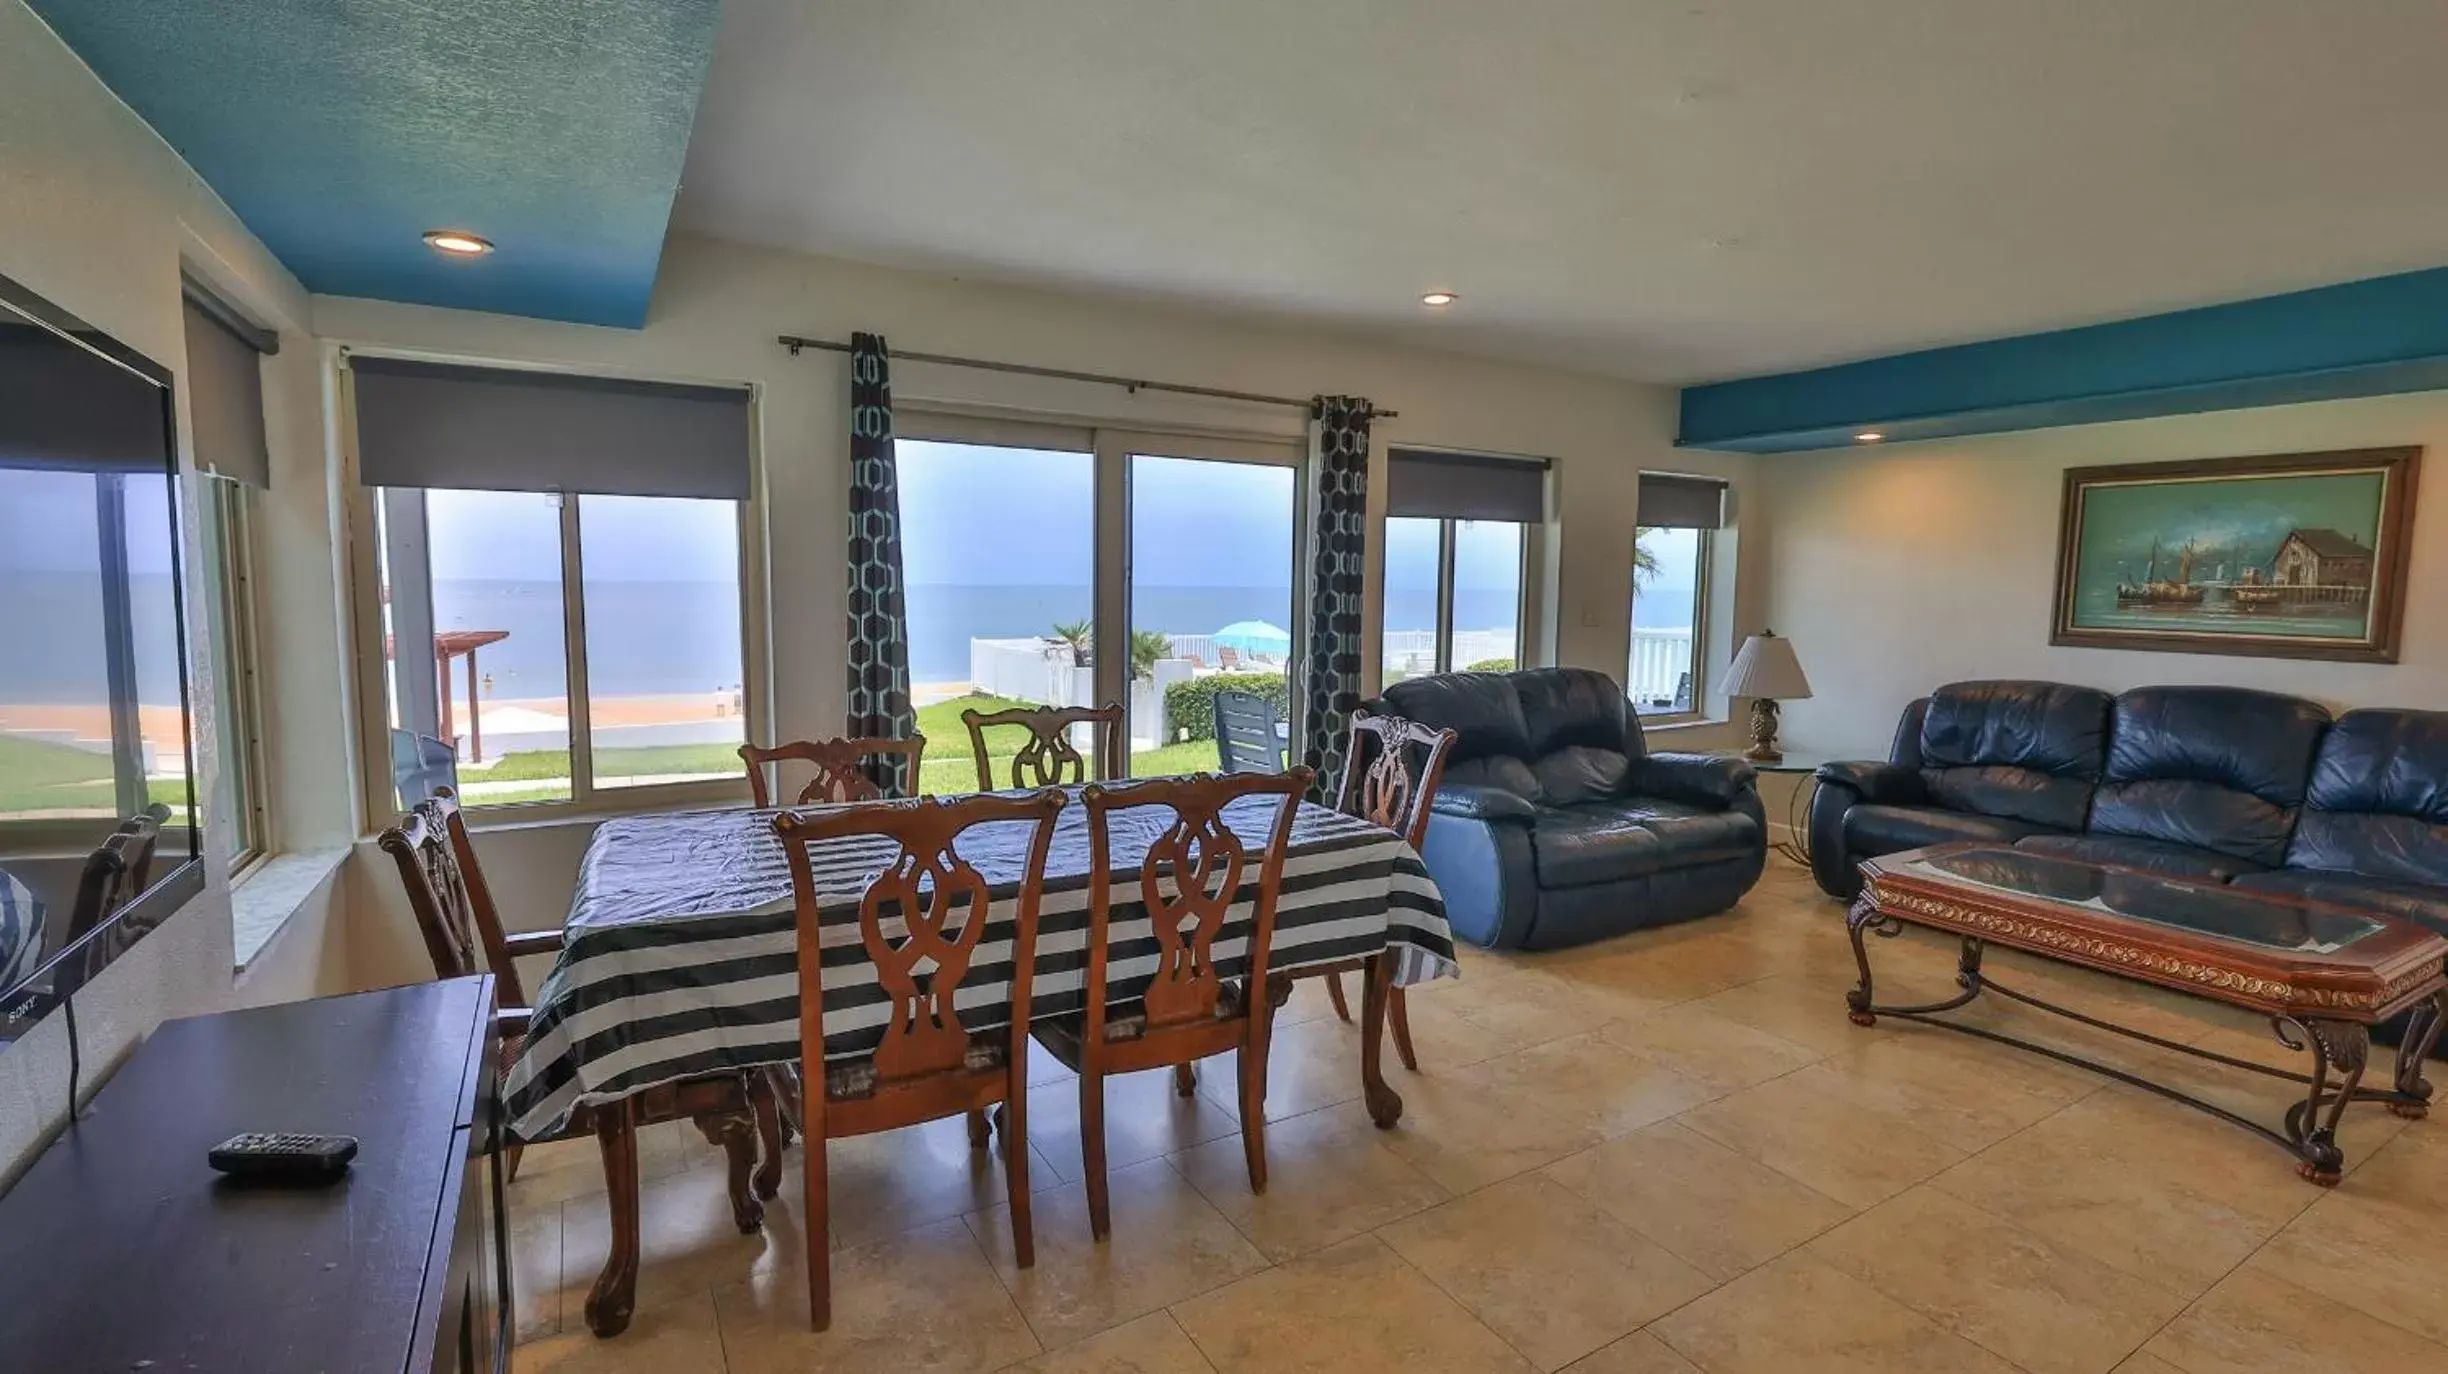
column 98, row 824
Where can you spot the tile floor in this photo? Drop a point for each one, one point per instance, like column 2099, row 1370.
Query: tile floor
column 1667, row 1153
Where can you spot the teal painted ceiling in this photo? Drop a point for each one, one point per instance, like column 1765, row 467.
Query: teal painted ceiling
column 341, row 130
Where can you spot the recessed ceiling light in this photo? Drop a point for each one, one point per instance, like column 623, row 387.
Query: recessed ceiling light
column 459, row 243
column 1439, row 298
column 1868, row 436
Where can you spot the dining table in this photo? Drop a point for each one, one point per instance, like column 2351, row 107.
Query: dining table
column 680, row 959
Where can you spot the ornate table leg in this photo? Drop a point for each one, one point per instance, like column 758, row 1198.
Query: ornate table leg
column 2341, row 1047
column 1863, row 915
column 614, row 1295
column 736, row 1132
column 1384, row 1104
column 2421, row 1034
column 773, row 1131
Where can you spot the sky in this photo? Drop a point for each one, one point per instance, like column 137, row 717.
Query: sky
column 515, row 536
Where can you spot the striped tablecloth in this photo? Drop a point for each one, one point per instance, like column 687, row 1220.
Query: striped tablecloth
column 681, row 957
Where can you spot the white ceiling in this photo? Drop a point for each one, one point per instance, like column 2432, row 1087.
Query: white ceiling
column 1664, row 191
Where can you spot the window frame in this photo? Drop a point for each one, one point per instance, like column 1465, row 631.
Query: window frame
column 1448, row 533
column 234, row 609
column 1704, row 568
column 379, row 793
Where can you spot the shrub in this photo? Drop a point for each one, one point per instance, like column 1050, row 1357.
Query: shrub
column 1490, row 665
column 1189, row 707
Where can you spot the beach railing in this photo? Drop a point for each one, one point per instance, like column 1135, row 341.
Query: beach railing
column 1660, row 658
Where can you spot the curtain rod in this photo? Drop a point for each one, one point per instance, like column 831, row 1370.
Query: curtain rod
column 794, row 343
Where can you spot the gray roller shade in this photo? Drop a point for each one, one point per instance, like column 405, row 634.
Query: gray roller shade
column 1669, row 502
column 66, row 409
column 225, row 400
column 1465, row 486
column 496, row 429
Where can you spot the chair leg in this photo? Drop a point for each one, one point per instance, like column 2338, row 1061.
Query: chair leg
column 785, row 1079
column 1185, row 1080
column 819, row 1235
column 1253, row 1114
column 511, row 1154
column 1334, row 994
column 1014, row 1127
column 1092, row 1153
column 768, row 1180
column 980, row 1131
column 736, row 1132
column 1398, row 1013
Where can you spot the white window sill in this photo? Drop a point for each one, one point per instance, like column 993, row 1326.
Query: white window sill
column 271, row 892
column 1672, row 724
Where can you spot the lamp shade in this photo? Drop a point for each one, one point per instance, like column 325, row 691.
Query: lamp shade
column 1766, row 668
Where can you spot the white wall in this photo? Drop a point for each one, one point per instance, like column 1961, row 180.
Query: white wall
column 97, row 216
column 1898, row 568
column 718, row 307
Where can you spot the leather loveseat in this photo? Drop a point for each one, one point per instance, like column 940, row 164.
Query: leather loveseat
column 2219, row 783
column 1554, row 824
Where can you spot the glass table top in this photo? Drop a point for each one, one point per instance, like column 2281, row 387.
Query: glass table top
column 2265, row 920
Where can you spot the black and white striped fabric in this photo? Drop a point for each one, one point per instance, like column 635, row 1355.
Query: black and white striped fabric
column 681, row 955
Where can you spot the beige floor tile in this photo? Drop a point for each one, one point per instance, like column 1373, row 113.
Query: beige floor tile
column 559, row 1170
column 1354, row 1306
column 1801, row 1316
column 1717, row 1209
column 2049, row 1309
column 1154, row 1344
column 686, row 1241
column 2412, row 1169
column 535, row 1273
column 2143, row 1362
column 680, row 1334
column 1791, row 1006
column 1309, row 1065
column 1544, row 1267
column 1144, row 1119
column 2381, row 1256
column 1817, row 1134
column 1638, row 1353
column 1468, row 1127
column 1594, row 1082
column 922, row 1299
column 1329, row 1177
column 894, row 1180
column 2144, row 1186
column 1168, row 1243
column 1723, row 1054
column 1968, row 1092
column 2254, row 1322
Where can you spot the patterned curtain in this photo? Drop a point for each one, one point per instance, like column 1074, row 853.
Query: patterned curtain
column 1338, row 462
column 879, row 617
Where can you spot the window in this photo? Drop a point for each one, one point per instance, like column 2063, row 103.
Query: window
column 1670, row 588
column 230, row 610
column 1453, row 596
column 1158, row 569
column 561, row 582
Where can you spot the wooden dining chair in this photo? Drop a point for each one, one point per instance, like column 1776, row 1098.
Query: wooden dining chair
column 1196, row 873
column 920, row 923
column 464, row 936
column 1390, row 775
column 837, row 767
column 116, row 873
column 1047, row 759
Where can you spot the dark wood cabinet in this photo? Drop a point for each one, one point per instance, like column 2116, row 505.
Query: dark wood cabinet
column 121, row 1249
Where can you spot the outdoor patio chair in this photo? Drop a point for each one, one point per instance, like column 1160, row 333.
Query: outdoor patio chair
column 1248, row 734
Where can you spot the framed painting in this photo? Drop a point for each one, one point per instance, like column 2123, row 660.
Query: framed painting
column 2298, row 555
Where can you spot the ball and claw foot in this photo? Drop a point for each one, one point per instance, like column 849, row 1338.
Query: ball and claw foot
column 1861, row 1018
column 2411, row 1111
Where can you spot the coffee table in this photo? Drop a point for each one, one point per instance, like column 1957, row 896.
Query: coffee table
column 2323, row 974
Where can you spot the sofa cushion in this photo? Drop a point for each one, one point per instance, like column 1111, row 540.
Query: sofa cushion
column 2378, row 803
column 1633, row 837
column 2219, row 768
column 1564, row 707
column 2156, row 856
column 2029, row 751
column 1480, row 708
column 2423, row 902
column 1873, row 829
column 1580, row 773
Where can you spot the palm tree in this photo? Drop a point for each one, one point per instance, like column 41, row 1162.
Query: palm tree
column 1146, row 647
column 1645, row 566
column 1079, row 636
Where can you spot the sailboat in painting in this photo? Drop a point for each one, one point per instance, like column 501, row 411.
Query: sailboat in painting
column 2152, row 591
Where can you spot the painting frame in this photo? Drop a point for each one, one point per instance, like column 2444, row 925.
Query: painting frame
column 2388, row 559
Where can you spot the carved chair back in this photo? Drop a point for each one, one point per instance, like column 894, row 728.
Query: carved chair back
column 447, row 891
column 838, row 768
column 1047, row 758
column 920, row 921
column 1193, row 874
column 1390, row 773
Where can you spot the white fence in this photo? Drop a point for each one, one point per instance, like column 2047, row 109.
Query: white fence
column 1660, row 659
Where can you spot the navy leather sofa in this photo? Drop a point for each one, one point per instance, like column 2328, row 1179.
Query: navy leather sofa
column 1555, row 825
column 2219, row 783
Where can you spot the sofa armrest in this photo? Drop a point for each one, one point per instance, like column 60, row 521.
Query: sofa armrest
column 1699, row 779
column 1883, row 783
column 1474, row 802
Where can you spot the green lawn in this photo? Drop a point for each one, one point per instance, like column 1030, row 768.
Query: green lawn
column 949, row 766
column 39, row 776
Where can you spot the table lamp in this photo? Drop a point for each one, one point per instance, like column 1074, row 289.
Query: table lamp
column 1766, row 671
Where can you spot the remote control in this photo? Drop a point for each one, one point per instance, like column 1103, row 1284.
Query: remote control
column 284, row 1156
